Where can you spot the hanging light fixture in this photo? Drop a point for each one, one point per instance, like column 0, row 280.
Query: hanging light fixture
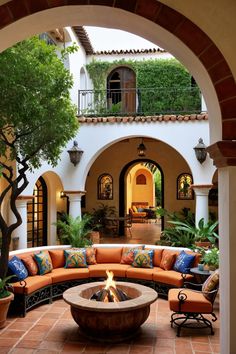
column 141, row 149
column 75, row 153
column 200, row 151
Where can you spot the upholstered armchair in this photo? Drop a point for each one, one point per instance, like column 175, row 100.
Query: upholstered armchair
column 189, row 305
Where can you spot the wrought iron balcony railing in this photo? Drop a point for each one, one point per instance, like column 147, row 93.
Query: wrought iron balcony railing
column 148, row 101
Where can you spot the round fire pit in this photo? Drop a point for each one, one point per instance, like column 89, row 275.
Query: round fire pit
column 110, row 321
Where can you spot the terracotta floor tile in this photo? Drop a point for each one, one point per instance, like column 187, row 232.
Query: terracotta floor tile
column 51, row 315
column 11, row 333
column 35, row 335
column 50, row 345
column 23, row 326
column 47, row 321
column 201, row 347
column 25, row 343
column 141, row 349
column 161, row 350
column 118, row 349
column 22, row 351
column 215, row 348
column 185, row 351
column 5, row 350
column 202, row 339
column 73, row 347
column 8, row 342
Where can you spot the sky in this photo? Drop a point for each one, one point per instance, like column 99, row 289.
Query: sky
column 108, row 39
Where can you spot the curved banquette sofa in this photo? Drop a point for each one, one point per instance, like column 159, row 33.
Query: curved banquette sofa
column 37, row 288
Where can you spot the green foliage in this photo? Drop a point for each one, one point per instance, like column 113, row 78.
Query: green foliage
column 173, row 236
column 201, row 232
column 36, row 112
column 165, row 84
column 100, row 214
column 37, row 119
column 74, row 231
column 211, row 257
column 3, row 287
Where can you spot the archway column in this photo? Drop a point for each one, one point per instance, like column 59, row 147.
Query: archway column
column 201, row 207
column 224, row 155
column 75, row 202
column 21, row 231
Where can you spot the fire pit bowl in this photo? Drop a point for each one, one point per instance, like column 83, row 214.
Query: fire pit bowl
column 110, row 321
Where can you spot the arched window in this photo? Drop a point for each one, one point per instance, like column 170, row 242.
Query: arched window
column 105, row 186
column 184, row 190
column 37, row 216
column 141, row 179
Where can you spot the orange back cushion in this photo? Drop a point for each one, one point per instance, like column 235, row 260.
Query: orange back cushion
column 58, row 258
column 168, row 259
column 109, row 255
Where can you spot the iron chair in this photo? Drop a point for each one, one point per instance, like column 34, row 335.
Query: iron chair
column 128, row 223
column 189, row 305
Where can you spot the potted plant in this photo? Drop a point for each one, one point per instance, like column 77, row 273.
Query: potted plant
column 75, row 231
column 204, row 234
column 100, row 214
column 211, row 258
column 5, row 299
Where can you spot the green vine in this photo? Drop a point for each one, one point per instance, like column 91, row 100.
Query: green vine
column 167, row 83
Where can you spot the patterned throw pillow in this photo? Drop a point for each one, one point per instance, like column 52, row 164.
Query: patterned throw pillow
column 143, row 259
column 135, row 210
column 210, row 284
column 91, row 255
column 167, row 259
column 183, row 262
column 75, row 258
column 127, row 256
column 30, row 264
column 44, row 262
column 17, row 267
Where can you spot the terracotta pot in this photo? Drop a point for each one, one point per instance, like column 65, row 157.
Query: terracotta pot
column 204, row 244
column 94, row 236
column 4, row 306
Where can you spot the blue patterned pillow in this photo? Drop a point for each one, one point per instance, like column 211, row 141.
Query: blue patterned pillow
column 143, row 258
column 183, row 262
column 17, row 267
column 44, row 262
column 75, row 258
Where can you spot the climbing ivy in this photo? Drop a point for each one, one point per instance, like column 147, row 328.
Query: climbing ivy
column 164, row 84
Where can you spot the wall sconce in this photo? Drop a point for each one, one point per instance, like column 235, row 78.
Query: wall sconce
column 200, row 151
column 141, row 149
column 62, row 194
column 75, row 153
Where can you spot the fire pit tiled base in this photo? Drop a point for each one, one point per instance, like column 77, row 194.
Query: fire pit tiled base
column 112, row 321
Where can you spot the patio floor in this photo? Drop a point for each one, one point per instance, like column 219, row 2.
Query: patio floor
column 51, row 329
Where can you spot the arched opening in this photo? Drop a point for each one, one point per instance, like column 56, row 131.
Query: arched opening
column 128, row 196
column 37, row 216
column 121, row 90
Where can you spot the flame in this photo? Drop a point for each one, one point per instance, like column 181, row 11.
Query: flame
column 109, row 282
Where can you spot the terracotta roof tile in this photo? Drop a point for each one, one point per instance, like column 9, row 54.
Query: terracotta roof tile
column 143, row 119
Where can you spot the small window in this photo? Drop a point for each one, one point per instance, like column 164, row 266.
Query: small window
column 141, row 179
column 184, row 190
column 105, row 187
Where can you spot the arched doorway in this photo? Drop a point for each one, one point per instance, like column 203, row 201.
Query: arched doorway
column 123, row 207
column 121, row 90
column 37, row 216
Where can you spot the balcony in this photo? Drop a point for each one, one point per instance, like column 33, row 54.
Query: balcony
column 147, row 102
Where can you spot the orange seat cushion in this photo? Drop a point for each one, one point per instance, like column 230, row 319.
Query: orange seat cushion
column 171, row 277
column 61, row 274
column 196, row 302
column 33, row 283
column 140, row 273
column 99, row 270
column 109, row 255
column 58, row 258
